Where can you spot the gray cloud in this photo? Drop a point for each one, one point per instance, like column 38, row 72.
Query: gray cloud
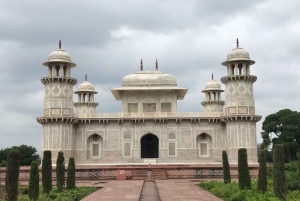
column 107, row 39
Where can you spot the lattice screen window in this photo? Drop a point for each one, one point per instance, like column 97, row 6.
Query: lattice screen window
column 165, row 107
column 95, row 150
column 132, row 107
column 172, row 149
column 149, row 107
column 127, row 149
column 203, row 149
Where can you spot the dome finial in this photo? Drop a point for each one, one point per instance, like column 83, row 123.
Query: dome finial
column 156, row 65
column 85, row 77
column 237, row 42
column 212, row 76
column 141, row 67
column 59, row 44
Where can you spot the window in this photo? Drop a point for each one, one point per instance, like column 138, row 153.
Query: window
column 172, row 149
column 95, row 150
column 203, row 149
column 149, row 107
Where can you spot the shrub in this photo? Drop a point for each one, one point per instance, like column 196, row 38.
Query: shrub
column 262, row 174
column 12, row 175
column 226, row 168
column 47, row 172
column 3, row 163
column 33, row 189
column 280, row 184
column 71, row 174
column 243, row 170
column 60, row 171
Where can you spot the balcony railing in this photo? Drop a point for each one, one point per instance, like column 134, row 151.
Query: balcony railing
column 150, row 115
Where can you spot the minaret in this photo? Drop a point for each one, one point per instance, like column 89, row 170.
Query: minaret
column 85, row 105
column 239, row 105
column 58, row 116
column 213, row 105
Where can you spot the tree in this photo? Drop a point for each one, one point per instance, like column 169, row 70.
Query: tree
column 279, row 178
column 243, row 170
column 226, row 168
column 28, row 154
column 60, row 171
column 12, row 175
column 71, row 174
column 33, row 189
column 47, row 172
column 285, row 125
column 262, row 174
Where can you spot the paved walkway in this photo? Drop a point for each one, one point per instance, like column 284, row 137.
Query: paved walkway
column 149, row 192
column 183, row 190
column 169, row 190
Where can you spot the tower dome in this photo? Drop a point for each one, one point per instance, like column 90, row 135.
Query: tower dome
column 212, row 85
column 59, row 55
column 238, row 54
column 85, row 86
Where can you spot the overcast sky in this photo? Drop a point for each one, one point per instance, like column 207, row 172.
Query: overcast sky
column 107, row 39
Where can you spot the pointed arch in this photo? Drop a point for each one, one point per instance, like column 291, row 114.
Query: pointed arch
column 204, row 145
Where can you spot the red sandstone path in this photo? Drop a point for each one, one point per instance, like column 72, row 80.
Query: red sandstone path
column 168, row 190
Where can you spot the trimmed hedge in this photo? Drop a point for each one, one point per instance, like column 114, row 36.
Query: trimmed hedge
column 60, row 171
column 279, row 177
column 12, row 175
column 33, row 188
column 262, row 174
column 47, row 172
column 226, row 168
column 243, row 170
column 71, row 174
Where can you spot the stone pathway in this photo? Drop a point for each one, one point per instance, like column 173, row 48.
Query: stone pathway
column 183, row 190
column 118, row 190
column 169, row 190
column 149, row 192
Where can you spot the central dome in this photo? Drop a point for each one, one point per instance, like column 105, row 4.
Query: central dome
column 149, row 79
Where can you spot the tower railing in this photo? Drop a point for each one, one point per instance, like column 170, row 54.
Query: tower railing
column 150, row 115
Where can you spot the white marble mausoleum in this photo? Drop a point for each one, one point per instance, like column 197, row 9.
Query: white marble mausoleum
column 149, row 129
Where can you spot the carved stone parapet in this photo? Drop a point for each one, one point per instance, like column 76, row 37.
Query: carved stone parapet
column 213, row 102
column 236, row 78
column 238, row 118
column 94, row 104
column 66, row 80
column 50, row 120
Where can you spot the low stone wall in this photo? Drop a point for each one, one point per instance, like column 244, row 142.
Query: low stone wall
column 172, row 171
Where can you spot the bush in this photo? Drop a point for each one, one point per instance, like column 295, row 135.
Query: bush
column 71, row 174
column 47, row 172
column 226, row 168
column 279, row 178
column 243, row 170
column 262, row 174
column 33, row 189
column 12, row 175
column 3, row 163
column 60, row 171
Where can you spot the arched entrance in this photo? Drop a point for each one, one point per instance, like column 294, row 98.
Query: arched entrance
column 149, row 146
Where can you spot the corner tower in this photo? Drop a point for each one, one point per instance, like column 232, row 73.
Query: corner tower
column 58, row 116
column 85, row 106
column 239, row 105
column 213, row 105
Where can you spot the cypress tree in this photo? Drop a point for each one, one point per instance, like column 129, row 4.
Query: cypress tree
column 226, row 168
column 60, row 171
column 71, row 174
column 243, row 170
column 298, row 156
column 262, row 174
column 279, row 178
column 47, row 172
column 12, row 175
column 33, row 189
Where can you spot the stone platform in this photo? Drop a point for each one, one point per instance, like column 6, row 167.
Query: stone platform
column 138, row 172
